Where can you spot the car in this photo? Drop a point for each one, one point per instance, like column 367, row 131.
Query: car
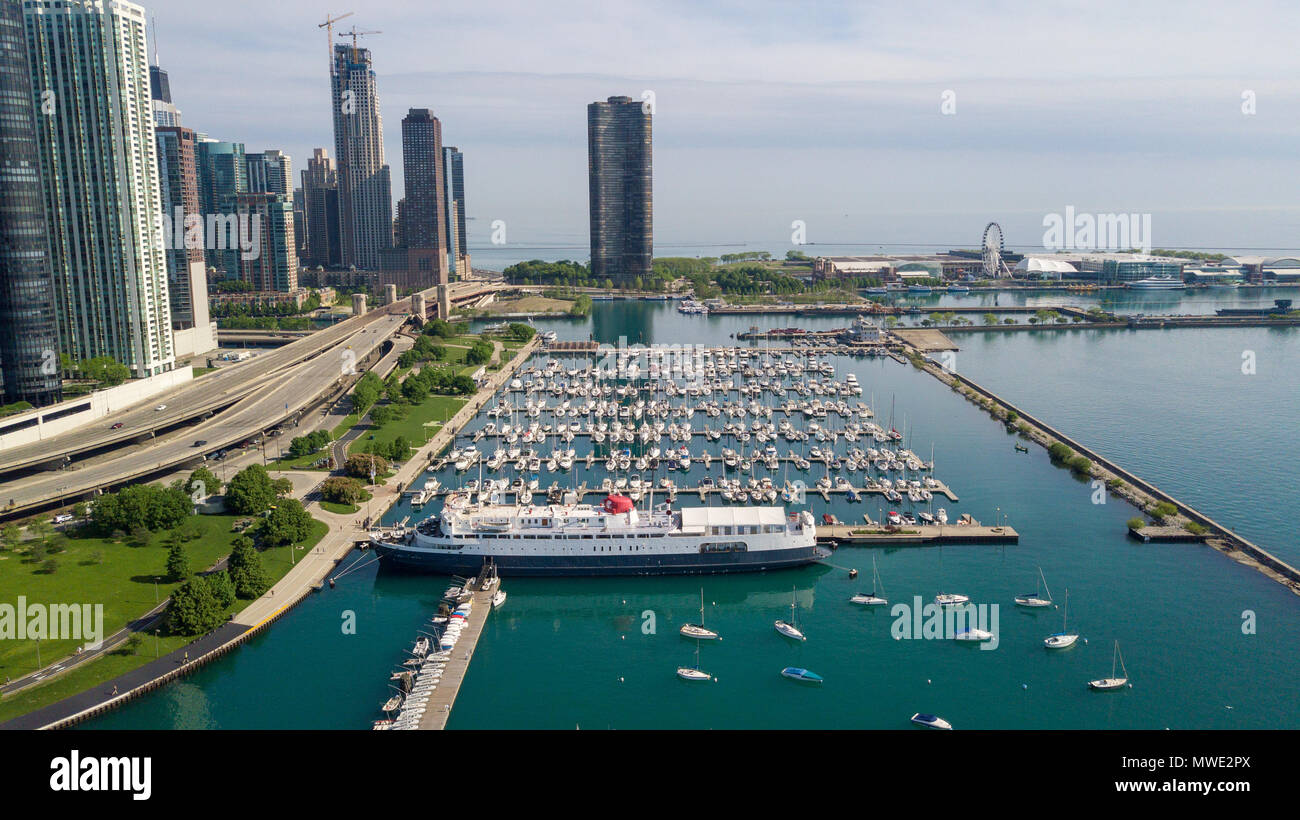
column 116, row 426
column 62, row 518
column 200, row 442
column 160, row 407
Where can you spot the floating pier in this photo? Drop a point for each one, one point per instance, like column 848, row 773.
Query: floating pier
column 863, row 536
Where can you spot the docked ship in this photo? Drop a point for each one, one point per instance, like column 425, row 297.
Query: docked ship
column 1161, row 282
column 614, row 538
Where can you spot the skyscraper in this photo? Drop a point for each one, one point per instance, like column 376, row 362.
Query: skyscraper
column 321, row 210
column 365, row 187
column 273, row 263
column 182, row 226
column 99, row 175
column 29, row 338
column 223, row 176
column 269, row 173
column 419, row 260
column 454, row 197
column 620, row 180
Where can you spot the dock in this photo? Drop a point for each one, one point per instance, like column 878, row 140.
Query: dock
column 864, row 536
column 443, row 698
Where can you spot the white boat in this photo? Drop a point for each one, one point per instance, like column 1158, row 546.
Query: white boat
column 1158, row 282
column 694, row 673
column 951, row 599
column 685, row 540
column 498, row 598
column 872, row 598
column 973, row 634
column 800, row 674
column 1036, row 598
column 930, row 721
column 791, row 629
column 1114, row 681
column 698, row 631
column 1063, row 639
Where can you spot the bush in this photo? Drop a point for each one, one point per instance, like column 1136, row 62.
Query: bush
column 1195, row 528
column 1164, row 510
column 1115, row 483
column 1079, row 464
column 1136, row 523
column 361, row 465
column 1058, row 451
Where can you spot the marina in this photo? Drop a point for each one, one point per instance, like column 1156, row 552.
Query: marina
column 548, row 619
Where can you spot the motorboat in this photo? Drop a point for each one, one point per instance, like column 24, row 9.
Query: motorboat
column 800, row 674
column 930, row 721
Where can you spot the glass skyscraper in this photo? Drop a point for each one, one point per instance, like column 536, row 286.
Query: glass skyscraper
column 365, row 187
column 620, row 180
column 29, row 339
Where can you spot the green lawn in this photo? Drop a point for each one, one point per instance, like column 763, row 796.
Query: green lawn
column 301, row 462
column 340, row 509
column 345, row 425
column 434, row 408
column 124, row 584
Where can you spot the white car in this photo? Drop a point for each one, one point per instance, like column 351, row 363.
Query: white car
column 161, row 407
column 62, row 518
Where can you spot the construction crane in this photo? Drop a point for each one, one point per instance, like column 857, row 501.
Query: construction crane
column 354, row 34
column 328, row 25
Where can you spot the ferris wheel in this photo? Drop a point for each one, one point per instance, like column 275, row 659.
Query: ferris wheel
column 994, row 267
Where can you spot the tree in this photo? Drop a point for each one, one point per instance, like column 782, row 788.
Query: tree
column 288, row 523
column 990, row 319
column 479, row 353
column 142, row 508
column 194, row 609
column 104, row 369
column 342, row 490
column 245, row 568
column 11, row 537
column 178, row 563
column 521, row 332
column 361, row 465
column 204, row 481
column 251, row 491
column 223, row 589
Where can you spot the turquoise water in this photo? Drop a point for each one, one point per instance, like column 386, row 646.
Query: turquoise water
column 568, row 653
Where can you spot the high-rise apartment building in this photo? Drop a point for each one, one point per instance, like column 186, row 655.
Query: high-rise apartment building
column 182, row 228
column 269, row 173
column 223, row 176
column 453, row 163
column 419, row 260
column 364, row 183
column 620, row 181
column 99, row 175
column 29, row 337
column 320, row 195
column 271, row 262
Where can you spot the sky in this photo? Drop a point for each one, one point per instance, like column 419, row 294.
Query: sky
column 829, row 113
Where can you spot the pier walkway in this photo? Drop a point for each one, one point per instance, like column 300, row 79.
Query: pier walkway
column 443, row 698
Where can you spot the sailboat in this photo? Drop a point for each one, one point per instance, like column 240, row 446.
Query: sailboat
column 694, row 673
column 790, row 629
column 1112, row 683
column 698, row 631
column 1063, row 639
column 1035, row 599
column 872, row 599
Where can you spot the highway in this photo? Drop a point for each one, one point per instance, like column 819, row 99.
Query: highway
column 252, row 397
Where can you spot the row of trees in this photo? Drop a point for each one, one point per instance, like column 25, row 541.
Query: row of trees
column 313, row 442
